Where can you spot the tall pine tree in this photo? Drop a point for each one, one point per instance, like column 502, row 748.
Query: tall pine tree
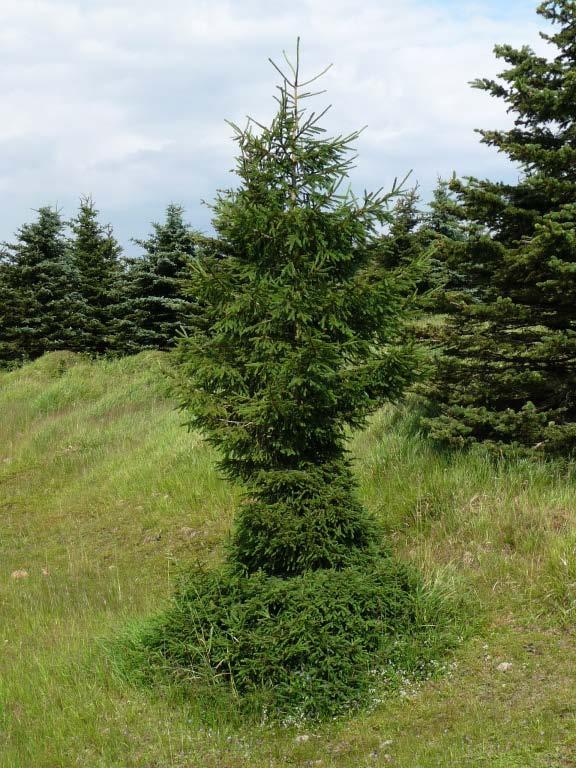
column 508, row 372
column 298, row 336
column 156, row 306
column 42, row 285
column 95, row 254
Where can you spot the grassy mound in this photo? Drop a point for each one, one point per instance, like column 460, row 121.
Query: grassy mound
column 104, row 498
column 309, row 646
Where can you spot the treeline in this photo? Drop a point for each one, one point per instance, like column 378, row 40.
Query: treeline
column 65, row 285
column 495, row 265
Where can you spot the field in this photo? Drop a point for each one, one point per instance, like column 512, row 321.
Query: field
column 105, row 498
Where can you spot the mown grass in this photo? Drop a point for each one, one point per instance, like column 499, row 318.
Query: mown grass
column 105, row 498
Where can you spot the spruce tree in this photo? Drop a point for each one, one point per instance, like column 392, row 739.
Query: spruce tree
column 9, row 310
column 442, row 234
column 95, row 254
column 298, row 338
column 508, row 372
column 404, row 243
column 299, row 333
column 43, row 287
column 156, row 305
column 421, row 241
column 444, row 218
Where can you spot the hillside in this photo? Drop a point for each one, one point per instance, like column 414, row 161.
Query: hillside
column 104, row 499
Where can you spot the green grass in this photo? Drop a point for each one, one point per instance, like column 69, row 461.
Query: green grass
column 105, row 499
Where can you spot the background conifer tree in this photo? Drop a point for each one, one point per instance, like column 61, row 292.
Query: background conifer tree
column 406, row 247
column 404, row 242
column 508, row 372
column 442, row 235
column 95, row 253
column 422, row 242
column 445, row 216
column 9, row 310
column 42, row 285
column 156, row 306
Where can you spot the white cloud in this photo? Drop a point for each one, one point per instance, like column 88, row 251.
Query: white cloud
column 126, row 99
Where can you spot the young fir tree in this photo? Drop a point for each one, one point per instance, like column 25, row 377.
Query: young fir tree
column 298, row 335
column 406, row 246
column 442, row 233
column 404, row 243
column 43, row 287
column 156, row 306
column 95, row 255
column 444, row 218
column 508, row 372
column 422, row 242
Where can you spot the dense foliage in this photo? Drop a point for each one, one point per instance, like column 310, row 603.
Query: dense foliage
column 507, row 375
column 308, row 646
column 420, row 241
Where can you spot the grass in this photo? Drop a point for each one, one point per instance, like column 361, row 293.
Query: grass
column 104, row 499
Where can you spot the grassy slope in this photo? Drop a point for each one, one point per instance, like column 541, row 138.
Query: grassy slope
column 104, row 497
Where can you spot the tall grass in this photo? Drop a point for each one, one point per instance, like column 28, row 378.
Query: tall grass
column 105, row 498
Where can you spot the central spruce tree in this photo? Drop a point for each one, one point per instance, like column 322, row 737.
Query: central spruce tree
column 507, row 374
column 298, row 335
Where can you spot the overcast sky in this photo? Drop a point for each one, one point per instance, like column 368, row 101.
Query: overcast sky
column 126, row 99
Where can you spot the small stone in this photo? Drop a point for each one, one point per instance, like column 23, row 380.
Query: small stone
column 152, row 537
column 188, row 533
column 505, row 666
column 20, row 574
column 302, row 738
column 341, row 748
